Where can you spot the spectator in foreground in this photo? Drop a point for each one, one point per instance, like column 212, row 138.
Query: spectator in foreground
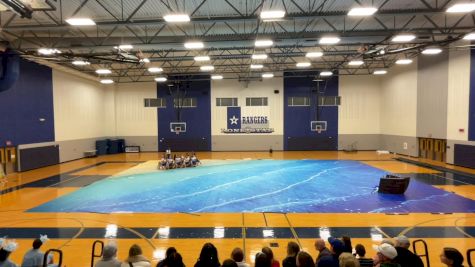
column 6, row 248
column 34, row 257
column 405, row 257
column 347, row 241
column 385, row 256
column 360, row 255
column 336, row 247
column 262, row 260
column 238, row 256
column 229, row 263
column 136, row 259
column 304, row 260
column 451, row 257
column 109, row 257
column 270, row 255
column 322, row 250
column 168, row 254
column 208, row 256
column 292, row 250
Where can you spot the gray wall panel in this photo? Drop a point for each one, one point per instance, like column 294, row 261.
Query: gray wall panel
column 432, row 93
column 246, row 142
column 359, row 141
column 74, row 149
column 146, row 143
column 397, row 144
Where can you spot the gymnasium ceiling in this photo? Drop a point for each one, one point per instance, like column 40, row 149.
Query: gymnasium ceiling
column 228, row 29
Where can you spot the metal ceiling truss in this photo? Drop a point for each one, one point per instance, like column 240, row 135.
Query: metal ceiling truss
column 229, row 39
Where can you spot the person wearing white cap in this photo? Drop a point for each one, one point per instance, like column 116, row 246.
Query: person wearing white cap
column 385, row 256
column 6, row 248
column 405, row 257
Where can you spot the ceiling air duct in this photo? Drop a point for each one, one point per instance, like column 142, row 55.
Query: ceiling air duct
column 17, row 6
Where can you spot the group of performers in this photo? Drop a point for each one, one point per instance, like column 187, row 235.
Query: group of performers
column 183, row 161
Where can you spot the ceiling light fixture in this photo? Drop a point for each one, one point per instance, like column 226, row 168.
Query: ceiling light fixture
column 303, row 64
column 362, row 11
column 461, row 8
column 160, row 79
column 257, row 66
column 48, row 51
column 326, row 73
column 155, row 69
column 380, row 72
column 263, row 43
column 80, row 63
column 194, row 45
column 207, row 68
column 217, row 77
column 329, row 40
column 259, row 56
column 80, row 22
column 103, row 71
column 202, row 58
column 404, row 61
column 469, row 36
column 267, row 75
column 176, row 18
column 356, row 63
column 125, row 47
column 431, row 51
column 145, row 60
column 272, row 14
column 314, row 54
column 401, row 38
column 107, row 81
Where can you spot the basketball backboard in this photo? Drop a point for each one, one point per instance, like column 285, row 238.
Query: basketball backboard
column 178, row 127
column 318, row 126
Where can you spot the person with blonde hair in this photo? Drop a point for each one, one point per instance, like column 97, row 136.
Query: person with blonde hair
column 136, row 259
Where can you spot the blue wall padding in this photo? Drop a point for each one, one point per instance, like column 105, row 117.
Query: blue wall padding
column 464, row 155
column 198, row 120
column 297, row 131
column 26, row 109
column 471, row 101
column 9, row 69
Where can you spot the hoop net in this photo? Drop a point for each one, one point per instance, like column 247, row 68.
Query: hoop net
column 318, row 129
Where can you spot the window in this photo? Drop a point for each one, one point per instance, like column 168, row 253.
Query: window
column 298, row 101
column 256, row 101
column 155, row 102
column 188, row 102
column 226, row 102
column 329, row 100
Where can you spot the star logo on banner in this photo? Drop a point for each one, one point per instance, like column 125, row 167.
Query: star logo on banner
column 234, row 120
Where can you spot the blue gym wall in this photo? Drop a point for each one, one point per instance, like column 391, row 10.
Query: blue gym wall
column 198, row 120
column 22, row 106
column 471, row 114
column 297, row 133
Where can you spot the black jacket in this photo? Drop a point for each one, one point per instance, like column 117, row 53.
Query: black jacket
column 406, row 258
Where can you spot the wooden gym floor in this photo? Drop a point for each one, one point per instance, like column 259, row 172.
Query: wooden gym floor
column 74, row 233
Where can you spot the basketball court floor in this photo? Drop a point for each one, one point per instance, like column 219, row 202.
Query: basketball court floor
column 297, row 196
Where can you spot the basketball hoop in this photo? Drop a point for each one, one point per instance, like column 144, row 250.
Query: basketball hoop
column 318, row 126
column 177, row 132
